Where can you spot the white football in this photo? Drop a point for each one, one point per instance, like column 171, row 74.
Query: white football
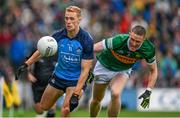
column 47, row 46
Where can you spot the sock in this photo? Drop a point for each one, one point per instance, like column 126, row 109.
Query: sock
column 50, row 113
column 41, row 115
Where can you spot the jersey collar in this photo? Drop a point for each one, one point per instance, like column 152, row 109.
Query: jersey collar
column 77, row 35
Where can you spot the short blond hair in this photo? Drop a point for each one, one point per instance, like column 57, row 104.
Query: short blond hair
column 74, row 9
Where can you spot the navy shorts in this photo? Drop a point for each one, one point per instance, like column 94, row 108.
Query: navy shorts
column 62, row 84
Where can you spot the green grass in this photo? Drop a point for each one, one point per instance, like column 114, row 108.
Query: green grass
column 103, row 113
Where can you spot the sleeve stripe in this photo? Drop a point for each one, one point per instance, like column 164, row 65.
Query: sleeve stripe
column 152, row 62
column 109, row 43
column 104, row 44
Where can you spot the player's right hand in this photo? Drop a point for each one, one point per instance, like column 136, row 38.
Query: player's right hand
column 74, row 101
column 21, row 71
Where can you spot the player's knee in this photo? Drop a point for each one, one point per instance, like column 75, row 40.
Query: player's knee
column 115, row 95
column 45, row 107
column 38, row 109
column 65, row 110
column 96, row 101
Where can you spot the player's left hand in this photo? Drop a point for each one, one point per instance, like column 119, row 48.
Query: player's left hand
column 74, row 101
column 146, row 99
column 20, row 71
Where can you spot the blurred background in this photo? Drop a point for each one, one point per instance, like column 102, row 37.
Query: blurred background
column 23, row 22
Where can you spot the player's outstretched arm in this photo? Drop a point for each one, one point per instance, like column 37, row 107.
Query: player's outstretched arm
column 152, row 80
column 152, row 75
column 35, row 57
column 23, row 68
column 85, row 68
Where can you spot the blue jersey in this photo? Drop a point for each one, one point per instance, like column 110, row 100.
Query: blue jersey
column 70, row 53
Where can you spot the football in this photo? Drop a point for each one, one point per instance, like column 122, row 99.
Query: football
column 47, row 46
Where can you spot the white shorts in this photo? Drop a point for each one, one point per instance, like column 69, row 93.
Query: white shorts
column 104, row 75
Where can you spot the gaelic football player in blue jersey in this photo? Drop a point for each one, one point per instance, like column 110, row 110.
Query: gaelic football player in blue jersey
column 75, row 56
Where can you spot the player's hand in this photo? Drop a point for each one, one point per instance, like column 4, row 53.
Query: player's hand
column 21, row 71
column 31, row 78
column 74, row 101
column 90, row 77
column 146, row 99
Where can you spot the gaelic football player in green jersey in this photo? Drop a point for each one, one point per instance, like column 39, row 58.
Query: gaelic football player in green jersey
column 115, row 58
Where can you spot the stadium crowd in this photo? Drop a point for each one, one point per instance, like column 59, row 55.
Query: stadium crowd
column 23, row 22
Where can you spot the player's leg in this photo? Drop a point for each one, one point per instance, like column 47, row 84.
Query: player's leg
column 100, row 84
column 116, row 86
column 37, row 94
column 50, row 96
column 39, row 111
column 38, row 89
column 37, row 108
column 36, row 105
column 98, row 94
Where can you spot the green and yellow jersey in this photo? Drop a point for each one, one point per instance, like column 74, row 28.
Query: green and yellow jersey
column 116, row 55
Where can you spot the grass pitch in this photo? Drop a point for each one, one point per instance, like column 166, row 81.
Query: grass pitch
column 103, row 113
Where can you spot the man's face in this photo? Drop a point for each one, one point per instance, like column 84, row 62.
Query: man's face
column 71, row 21
column 135, row 41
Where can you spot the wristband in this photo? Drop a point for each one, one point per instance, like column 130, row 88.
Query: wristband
column 149, row 89
column 75, row 95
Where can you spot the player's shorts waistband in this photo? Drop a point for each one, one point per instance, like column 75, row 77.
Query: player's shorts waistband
column 62, row 84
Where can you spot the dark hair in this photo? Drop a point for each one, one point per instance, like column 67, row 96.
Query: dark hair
column 139, row 30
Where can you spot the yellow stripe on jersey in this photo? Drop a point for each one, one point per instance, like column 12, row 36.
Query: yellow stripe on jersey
column 123, row 59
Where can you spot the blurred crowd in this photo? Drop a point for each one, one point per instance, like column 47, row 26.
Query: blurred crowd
column 23, row 22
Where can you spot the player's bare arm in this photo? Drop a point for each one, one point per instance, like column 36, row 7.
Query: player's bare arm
column 35, row 57
column 31, row 77
column 152, row 75
column 152, row 80
column 98, row 47
column 85, row 68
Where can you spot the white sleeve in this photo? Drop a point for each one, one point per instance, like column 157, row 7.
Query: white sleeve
column 108, row 43
column 151, row 61
column 104, row 45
